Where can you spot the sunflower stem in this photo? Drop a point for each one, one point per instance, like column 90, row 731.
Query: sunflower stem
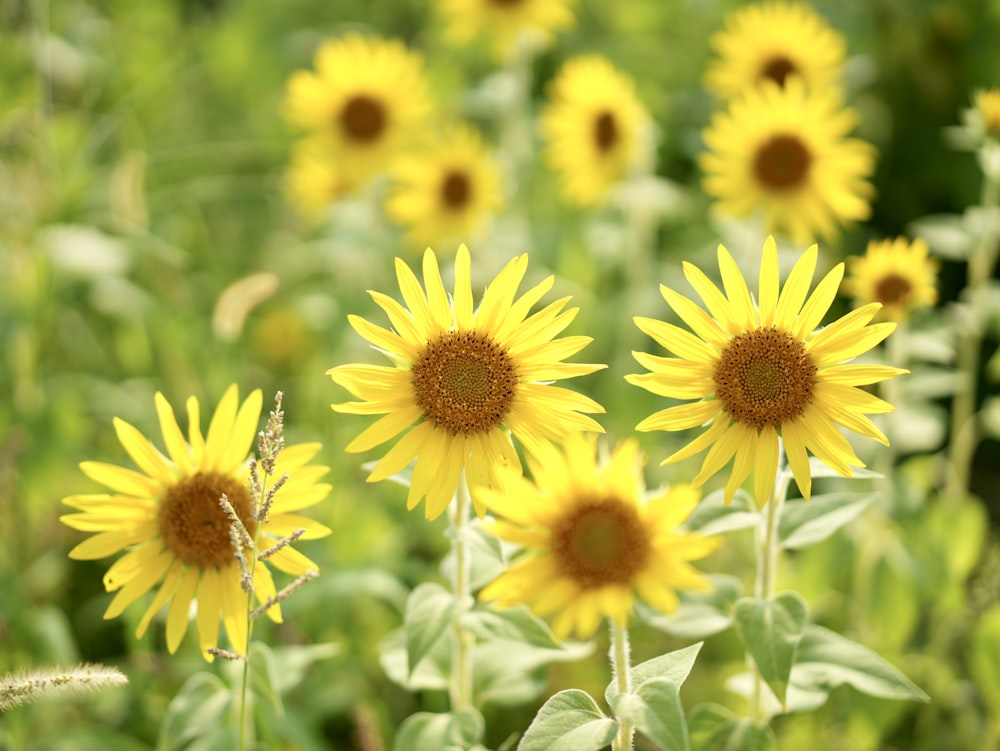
column 767, row 574
column 460, row 689
column 621, row 668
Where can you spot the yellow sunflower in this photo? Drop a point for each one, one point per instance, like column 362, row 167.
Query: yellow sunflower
column 772, row 41
column 591, row 126
column 507, row 22
column 314, row 180
column 465, row 379
column 365, row 99
column 592, row 540
column 448, row 191
column 783, row 151
column 987, row 108
column 167, row 516
column 759, row 372
column 897, row 273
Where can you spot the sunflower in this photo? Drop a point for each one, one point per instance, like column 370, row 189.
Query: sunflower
column 772, row 41
column 508, row 22
column 897, row 273
column 465, row 379
column 592, row 541
column 314, row 180
column 987, row 108
column 448, row 191
column 783, row 151
column 364, row 100
column 592, row 126
column 759, row 372
column 168, row 517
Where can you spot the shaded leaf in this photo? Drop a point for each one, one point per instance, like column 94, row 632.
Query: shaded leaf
column 655, row 710
column 771, row 630
column 426, row 731
column 804, row 523
column 429, row 612
column 569, row 721
column 712, row 516
column 715, row 728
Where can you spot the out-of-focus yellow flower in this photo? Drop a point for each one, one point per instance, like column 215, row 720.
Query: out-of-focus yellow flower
column 987, row 103
column 784, row 152
column 895, row 272
column 506, row 22
column 314, row 181
column 447, row 191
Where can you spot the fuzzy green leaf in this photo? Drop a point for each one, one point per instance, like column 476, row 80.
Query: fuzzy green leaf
column 654, row 709
column 805, row 523
column 715, row 728
column 771, row 630
column 675, row 666
column 569, row 721
column 701, row 614
column 426, row 731
column 713, row 516
column 429, row 612
column 826, row 659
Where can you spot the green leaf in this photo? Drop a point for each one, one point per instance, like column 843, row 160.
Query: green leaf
column 826, row 659
column 426, row 731
column 771, row 630
column 675, row 666
column 654, row 708
column 264, row 680
column 712, row 516
column 715, row 728
column 430, row 674
column 429, row 612
column 509, row 671
column 701, row 614
column 485, row 553
column 514, row 624
column 805, row 523
column 196, row 711
column 569, row 721
column 985, row 658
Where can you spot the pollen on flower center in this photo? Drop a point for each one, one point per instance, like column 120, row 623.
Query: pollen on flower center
column 892, row 289
column 764, row 378
column 456, row 190
column 605, row 131
column 363, row 118
column 464, row 382
column 782, row 163
column 600, row 542
column 778, row 69
column 192, row 524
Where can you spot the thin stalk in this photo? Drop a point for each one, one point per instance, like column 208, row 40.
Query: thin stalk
column 460, row 689
column 964, row 425
column 621, row 667
column 767, row 549
column 245, row 679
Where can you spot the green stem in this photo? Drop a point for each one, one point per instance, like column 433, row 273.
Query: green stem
column 621, row 667
column 460, row 689
column 964, row 425
column 767, row 549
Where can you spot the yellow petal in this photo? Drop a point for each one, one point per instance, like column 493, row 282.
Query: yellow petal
column 243, row 434
column 384, row 429
column 180, row 608
column 173, row 439
column 766, row 469
column 819, row 302
column 768, row 284
column 740, row 303
column 220, row 429
column 795, row 290
column 122, row 480
column 209, row 602
column 463, row 288
column 437, row 298
column 682, row 417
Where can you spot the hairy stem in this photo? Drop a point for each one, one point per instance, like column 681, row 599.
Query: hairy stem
column 460, row 689
column 621, row 667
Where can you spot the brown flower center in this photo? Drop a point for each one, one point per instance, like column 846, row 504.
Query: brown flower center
column 605, row 131
column 464, row 382
column 192, row 524
column 778, row 69
column 363, row 118
column 764, row 378
column 456, row 190
column 893, row 289
column 782, row 163
column 600, row 542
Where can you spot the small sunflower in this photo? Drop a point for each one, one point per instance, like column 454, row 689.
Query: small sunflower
column 314, row 181
column 772, row 41
column 592, row 127
column 508, row 22
column 783, row 151
column 760, row 372
column 897, row 273
column 446, row 192
column 167, row 516
column 987, row 108
column 592, row 541
column 365, row 99
column 465, row 379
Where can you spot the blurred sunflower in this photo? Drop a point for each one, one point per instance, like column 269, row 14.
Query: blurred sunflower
column 465, row 379
column 314, row 181
column 365, row 99
column 759, row 372
column 592, row 541
column 448, row 191
column 771, row 41
column 897, row 273
column 508, row 22
column 592, row 126
column 783, row 151
column 168, row 517
column 987, row 107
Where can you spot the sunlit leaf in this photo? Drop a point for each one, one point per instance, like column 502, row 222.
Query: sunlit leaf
column 569, row 721
column 771, row 629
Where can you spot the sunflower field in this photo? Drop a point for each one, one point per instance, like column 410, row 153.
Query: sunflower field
column 499, row 375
